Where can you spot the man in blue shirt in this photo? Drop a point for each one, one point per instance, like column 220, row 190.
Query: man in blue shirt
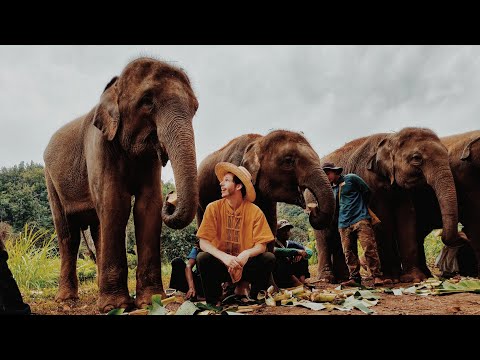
column 184, row 278
column 354, row 223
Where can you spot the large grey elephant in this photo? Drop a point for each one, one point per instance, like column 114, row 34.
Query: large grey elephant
column 96, row 163
column 464, row 155
column 394, row 165
column 283, row 165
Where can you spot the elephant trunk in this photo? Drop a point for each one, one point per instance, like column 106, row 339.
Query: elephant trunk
column 319, row 191
column 441, row 180
column 178, row 139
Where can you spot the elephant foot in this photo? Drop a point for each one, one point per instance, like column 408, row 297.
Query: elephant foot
column 413, row 275
column 144, row 297
column 106, row 303
column 327, row 276
column 65, row 294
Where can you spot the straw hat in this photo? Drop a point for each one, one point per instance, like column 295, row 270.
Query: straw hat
column 243, row 174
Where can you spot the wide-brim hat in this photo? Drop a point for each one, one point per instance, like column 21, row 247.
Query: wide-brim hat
column 283, row 224
column 331, row 166
column 239, row 171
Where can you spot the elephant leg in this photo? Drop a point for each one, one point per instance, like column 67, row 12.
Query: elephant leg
column 407, row 241
column 269, row 209
column 469, row 264
column 148, row 227
column 111, row 252
column 385, row 237
column 68, row 282
column 324, row 271
column 339, row 265
column 422, row 259
column 68, row 242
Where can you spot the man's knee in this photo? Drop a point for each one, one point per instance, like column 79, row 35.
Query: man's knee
column 178, row 262
column 268, row 260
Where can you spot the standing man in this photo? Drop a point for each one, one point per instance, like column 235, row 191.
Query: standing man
column 291, row 267
column 354, row 223
column 233, row 236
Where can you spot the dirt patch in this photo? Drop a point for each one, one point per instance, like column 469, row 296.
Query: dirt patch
column 389, row 304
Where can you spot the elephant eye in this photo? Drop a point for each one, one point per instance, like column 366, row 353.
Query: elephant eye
column 288, row 160
column 417, row 159
column 147, row 101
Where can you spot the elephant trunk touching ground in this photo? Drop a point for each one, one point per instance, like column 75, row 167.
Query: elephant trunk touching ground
column 316, row 183
column 441, row 180
column 180, row 147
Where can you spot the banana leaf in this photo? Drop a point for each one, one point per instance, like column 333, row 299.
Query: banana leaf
column 187, row 308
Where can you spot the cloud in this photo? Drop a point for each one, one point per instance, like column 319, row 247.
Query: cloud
column 332, row 93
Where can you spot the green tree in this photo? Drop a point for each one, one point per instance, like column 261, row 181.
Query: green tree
column 24, row 197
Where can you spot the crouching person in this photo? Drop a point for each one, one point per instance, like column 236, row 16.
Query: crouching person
column 233, row 236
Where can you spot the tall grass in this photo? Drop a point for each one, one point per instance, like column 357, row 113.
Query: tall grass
column 34, row 262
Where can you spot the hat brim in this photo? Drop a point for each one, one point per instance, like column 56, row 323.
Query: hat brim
column 336, row 169
column 285, row 226
column 224, row 167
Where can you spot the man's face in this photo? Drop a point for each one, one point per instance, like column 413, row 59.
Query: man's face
column 227, row 186
column 332, row 176
column 283, row 233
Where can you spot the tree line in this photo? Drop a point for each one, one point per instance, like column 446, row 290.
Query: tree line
column 24, row 200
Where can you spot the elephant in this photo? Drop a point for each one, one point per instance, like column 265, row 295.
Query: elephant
column 97, row 162
column 283, row 165
column 394, row 165
column 464, row 156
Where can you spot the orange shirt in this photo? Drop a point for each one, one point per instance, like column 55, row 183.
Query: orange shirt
column 232, row 232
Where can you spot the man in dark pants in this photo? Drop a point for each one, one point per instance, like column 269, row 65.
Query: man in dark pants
column 233, row 236
column 11, row 301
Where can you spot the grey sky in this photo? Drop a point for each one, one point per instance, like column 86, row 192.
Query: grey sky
column 332, row 93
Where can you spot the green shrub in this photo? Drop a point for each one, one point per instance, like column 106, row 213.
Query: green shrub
column 31, row 258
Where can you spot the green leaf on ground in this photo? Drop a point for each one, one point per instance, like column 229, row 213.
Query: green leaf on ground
column 187, row 308
column 116, row 311
column 157, row 299
column 157, row 309
column 310, row 305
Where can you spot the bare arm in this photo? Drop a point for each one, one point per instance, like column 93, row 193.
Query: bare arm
column 229, row 260
column 189, row 275
column 258, row 249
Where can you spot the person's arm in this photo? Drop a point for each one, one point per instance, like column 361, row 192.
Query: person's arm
column 229, row 260
column 284, row 252
column 189, row 275
column 258, row 249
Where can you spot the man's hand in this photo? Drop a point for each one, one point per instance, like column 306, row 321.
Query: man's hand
column 190, row 293
column 235, row 274
column 231, row 262
column 243, row 257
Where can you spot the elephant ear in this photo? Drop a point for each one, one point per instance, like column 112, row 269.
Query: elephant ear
column 251, row 161
column 381, row 161
column 466, row 152
column 107, row 115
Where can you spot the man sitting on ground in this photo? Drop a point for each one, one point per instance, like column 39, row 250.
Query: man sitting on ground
column 291, row 267
column 233, row 236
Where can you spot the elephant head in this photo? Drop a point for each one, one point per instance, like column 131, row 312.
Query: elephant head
column 283, row 165
column 148, row 109
column 414, row 157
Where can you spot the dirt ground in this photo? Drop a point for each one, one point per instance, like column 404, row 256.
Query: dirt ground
column 389, row 304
